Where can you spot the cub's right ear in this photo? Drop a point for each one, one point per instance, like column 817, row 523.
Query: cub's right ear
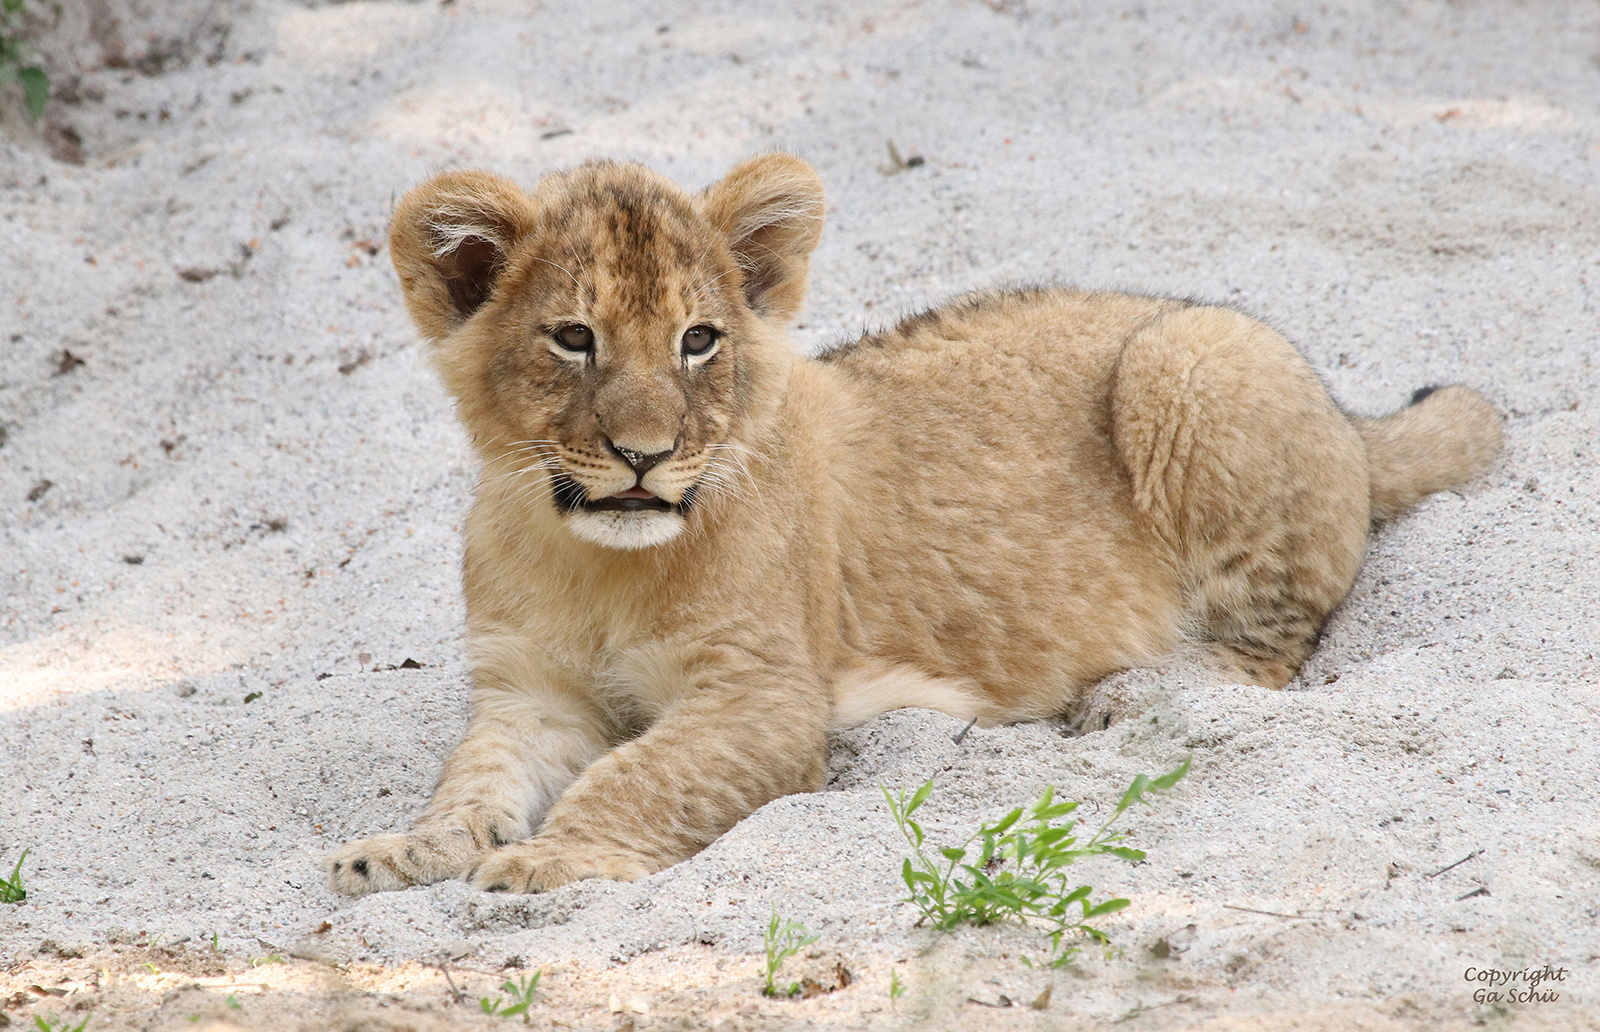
column 449, row 239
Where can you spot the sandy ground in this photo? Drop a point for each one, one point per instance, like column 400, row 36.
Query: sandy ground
column 230, row 495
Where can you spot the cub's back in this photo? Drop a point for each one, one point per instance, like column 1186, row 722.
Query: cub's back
column 1010, row 389
column 1055, row 326
column 986, row 523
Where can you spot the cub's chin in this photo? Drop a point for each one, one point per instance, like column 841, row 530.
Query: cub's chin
column 625, row 528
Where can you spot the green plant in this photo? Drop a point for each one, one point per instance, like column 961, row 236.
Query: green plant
column 271, row 958
column 1019, row 872
column 12, row 890
column 55, row 1024
column 897, row 988
column 16, row 60
column 232, row 1002
column 784, row 939
column 521, row 991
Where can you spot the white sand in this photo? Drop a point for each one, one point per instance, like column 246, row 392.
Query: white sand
column 1413, row 196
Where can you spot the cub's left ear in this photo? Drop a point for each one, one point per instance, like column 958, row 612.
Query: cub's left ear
column 771, row 210
column 449, row 239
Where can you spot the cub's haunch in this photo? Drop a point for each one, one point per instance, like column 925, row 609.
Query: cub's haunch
column 693, row 550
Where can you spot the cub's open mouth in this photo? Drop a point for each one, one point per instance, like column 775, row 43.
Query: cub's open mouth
column 627, row 501
column 570, row 496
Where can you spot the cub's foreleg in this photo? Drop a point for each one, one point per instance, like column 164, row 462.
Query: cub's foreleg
column 720, row 753
column 521, row 750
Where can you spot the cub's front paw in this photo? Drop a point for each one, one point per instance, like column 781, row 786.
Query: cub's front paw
column 542, row 864
column 386, row 862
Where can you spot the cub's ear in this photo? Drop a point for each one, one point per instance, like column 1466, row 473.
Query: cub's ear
column 449, row 238
column 771, row 209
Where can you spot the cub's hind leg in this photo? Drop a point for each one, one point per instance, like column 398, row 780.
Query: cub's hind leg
column 1253, row 478
column 521, row 750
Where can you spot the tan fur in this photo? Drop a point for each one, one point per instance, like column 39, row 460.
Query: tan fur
column 983, row 510
column 1420, row 449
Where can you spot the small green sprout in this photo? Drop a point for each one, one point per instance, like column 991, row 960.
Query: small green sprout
column 784, row 940
column 271, row 958
column 232, row 1002
column 897, row 988
column 11, row 890
column 521, row 991
column 16, row 60
column 55, row 1024
column 1019, row 871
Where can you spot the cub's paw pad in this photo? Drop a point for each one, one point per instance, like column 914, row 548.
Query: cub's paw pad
column 380, row 864
column 537, row 866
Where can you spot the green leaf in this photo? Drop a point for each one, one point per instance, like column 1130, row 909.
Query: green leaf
column 1053, row 837
column 1168, row 780
column 919, row 797
column 1110, row 906
column 952, row 854
column 1127, row 853
column 1140, row 785
column 35, row 90
column 1005, row 823
column 12, row 891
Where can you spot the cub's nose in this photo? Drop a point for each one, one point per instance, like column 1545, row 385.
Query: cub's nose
column 640, row 462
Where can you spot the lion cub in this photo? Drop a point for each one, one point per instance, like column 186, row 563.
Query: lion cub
column 693, row 550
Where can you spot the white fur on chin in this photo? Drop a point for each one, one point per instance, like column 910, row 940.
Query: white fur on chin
column 626, row 530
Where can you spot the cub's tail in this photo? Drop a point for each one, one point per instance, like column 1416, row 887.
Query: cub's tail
column 1445, row 437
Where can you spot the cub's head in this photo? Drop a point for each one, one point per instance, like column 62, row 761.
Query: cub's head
column 614, row 344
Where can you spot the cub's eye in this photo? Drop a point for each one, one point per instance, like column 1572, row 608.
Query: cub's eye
column 697, row 340
column 575, row 337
